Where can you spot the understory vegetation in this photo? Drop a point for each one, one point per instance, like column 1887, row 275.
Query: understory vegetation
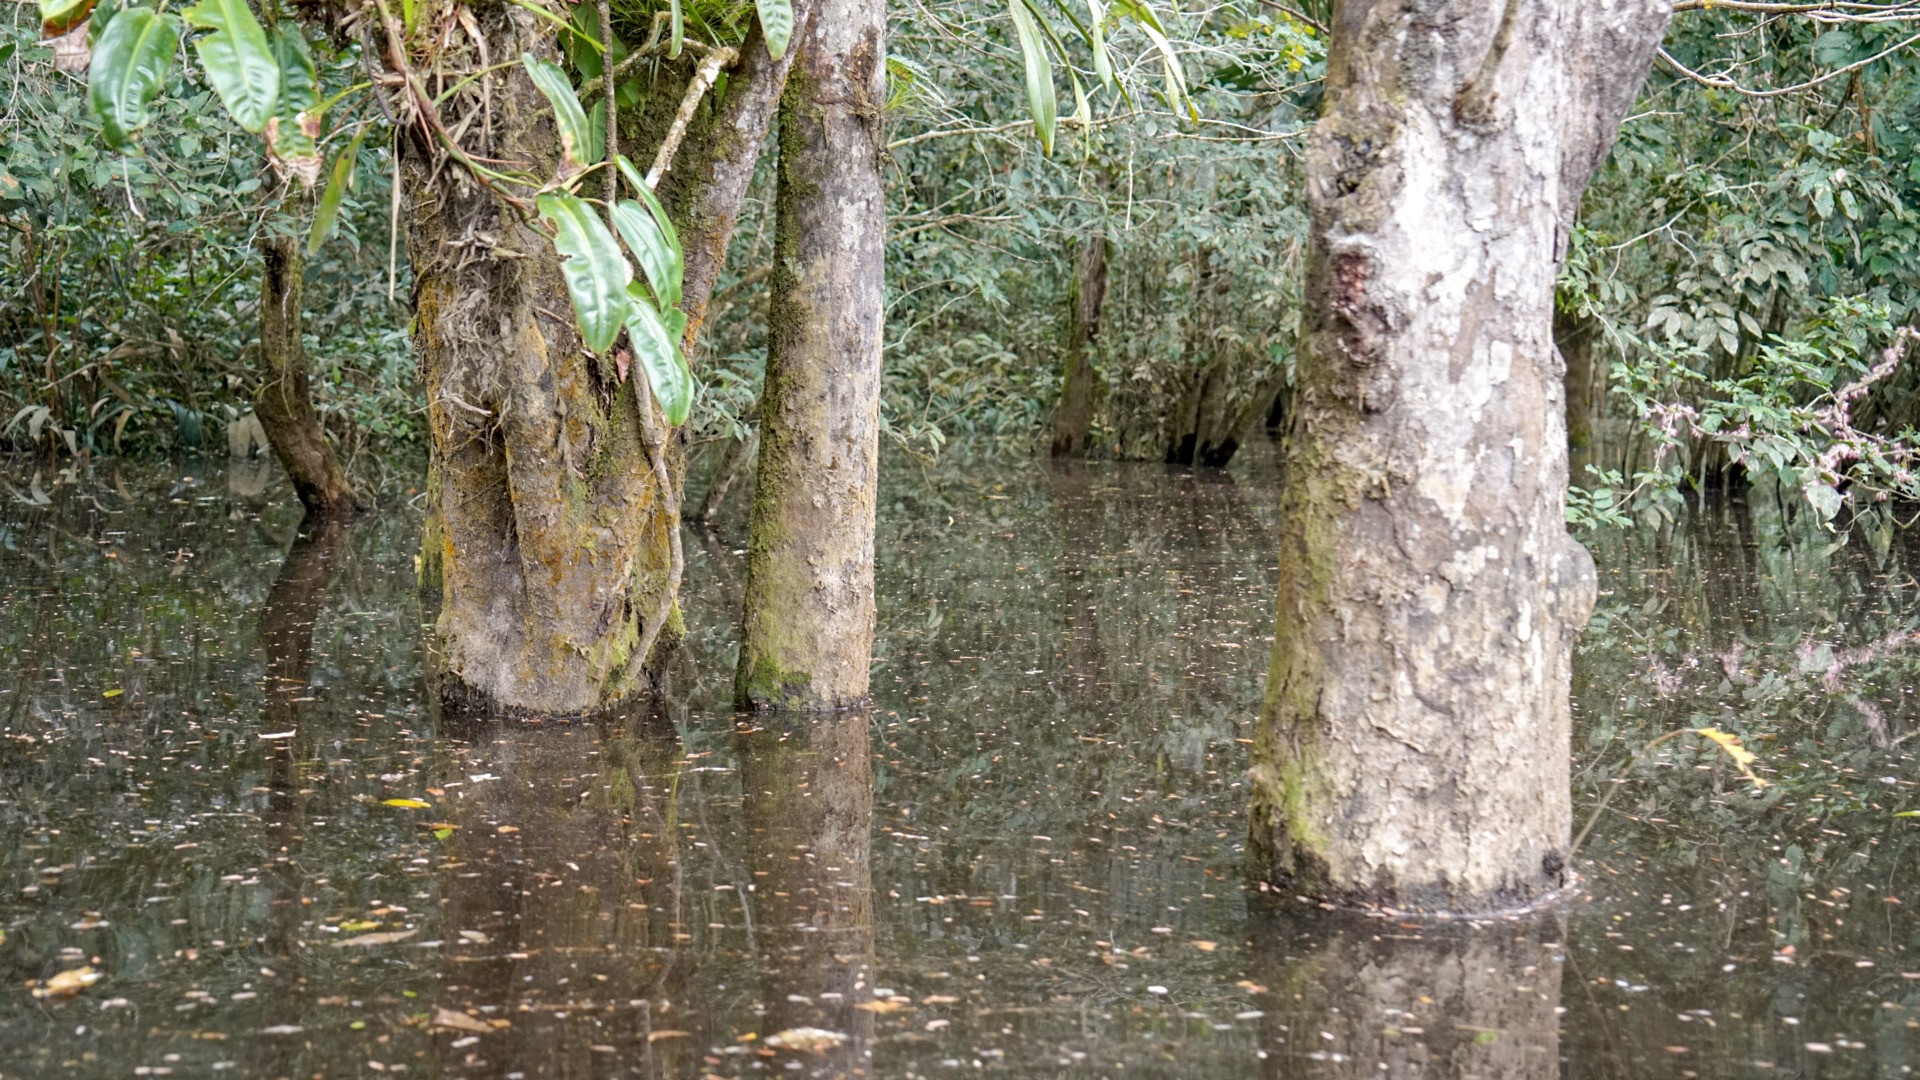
column 1732, row 309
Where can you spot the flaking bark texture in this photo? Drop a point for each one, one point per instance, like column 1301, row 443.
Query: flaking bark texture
column 284, row 402
column 1413, row 750
column 1080, row 382
column 808, row 609
column 548, row 538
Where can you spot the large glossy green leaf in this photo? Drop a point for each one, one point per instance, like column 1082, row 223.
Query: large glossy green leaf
column 668, row 233
column 666, row 369
column 776, row 22
column 129, row 63
column 59, row 16
column 239, row 62
column 657, row 259
column 596, row 275
column 329, row 208
column 1033, row 53
column 575, row 137
column 293, row 131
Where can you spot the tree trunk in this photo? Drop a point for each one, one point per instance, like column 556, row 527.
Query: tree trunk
column 1413, row 750
column 807, row 799
column 552, row 540
column 1080, row 383
column 1574, row 336
column 809, row 595
column 284, row 402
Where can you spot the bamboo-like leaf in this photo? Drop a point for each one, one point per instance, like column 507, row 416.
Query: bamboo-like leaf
column 776, row 22
column 239, row 62
column 658, row 260
column 1142, row 13
column 329, row 208
column 293, row 132
column 654, row 344
column 677, row 33
column 575, row 136
column 1039, row 69
column 1097, row 34
column 129, row 63
column 595, row 273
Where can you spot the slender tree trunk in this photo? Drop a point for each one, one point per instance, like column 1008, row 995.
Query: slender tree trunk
column 284, row 402
column 1574, row 336
column 733, row 464
column 1080, row 383
column 809, row 596
column 552, row 540
column 1413, row 750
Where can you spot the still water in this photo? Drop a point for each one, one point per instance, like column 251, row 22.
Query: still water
column 235, row 840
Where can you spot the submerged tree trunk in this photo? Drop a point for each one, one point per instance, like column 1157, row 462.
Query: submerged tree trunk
column 809, row 595
column 552, row 541
column 1080, row 383
column 1413, row 750
column 284, row 402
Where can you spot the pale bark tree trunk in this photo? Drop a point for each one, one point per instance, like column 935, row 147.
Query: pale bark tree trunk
column 1080, row 383
column 552, row 540
column 284, row 402
column 1413, row 750
column 809, row 596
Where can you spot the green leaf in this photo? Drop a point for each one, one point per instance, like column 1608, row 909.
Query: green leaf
column 667, row 370
column 659, row 212
column 678, row 34
column 329, row 208
column 575, row 137
column 293, row 132
column 59, row 16
column 239, row 62
column 1097, row 35
column 776, row 22
column 597, row 131
column 1033, row 52
column 656, row 257
column 596, row 275
column 129, row 63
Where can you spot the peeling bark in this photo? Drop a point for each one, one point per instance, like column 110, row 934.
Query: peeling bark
column 284, row 402
column 808, row 610
column 1413, row 749
column 1080, row 382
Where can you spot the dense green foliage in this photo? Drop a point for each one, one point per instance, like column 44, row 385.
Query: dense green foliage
column 1750, row 251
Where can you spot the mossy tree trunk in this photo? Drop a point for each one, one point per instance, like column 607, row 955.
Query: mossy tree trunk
column 552, row 541
column 808, row 609
column 284, row 402
column 1575, row 336
column 1413, row 749
column 1080, row 381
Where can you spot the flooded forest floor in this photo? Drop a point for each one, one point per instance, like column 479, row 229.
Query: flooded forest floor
column 239, row 841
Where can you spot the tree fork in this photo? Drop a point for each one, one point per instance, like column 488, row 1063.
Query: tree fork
column 1413, row 751
column 284, row 402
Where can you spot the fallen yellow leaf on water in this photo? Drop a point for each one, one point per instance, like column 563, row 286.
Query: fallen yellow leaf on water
column 407, row 804
column 113, row 693
column 386, row 938
column 1205, row 946
column 881, row 1007
column 656, row 1036
column 67, row 983
column 1743, row 758
column 939, row 999
column 444, row 1017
